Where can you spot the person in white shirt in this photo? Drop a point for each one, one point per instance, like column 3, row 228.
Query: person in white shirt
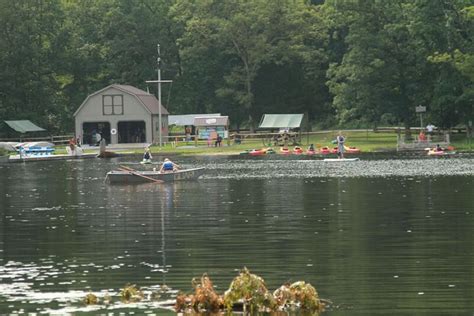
column 429, row 128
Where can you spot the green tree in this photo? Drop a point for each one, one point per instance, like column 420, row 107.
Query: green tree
column 441, row 26
column 383, row 68
column 30, row 44
column 256, row 56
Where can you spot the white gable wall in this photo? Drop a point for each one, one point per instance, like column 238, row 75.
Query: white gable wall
column 133, row 110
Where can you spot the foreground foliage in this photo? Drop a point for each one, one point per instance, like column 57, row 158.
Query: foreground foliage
column 249, row 293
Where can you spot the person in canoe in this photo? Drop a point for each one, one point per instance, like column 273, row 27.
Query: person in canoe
column 340, row 139
column 168, row 166
column 147, row 156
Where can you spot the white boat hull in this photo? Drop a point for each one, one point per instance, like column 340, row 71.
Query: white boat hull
column 341, row 160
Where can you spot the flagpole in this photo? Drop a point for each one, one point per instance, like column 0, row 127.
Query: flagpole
column 159, row 97
column 159, row 81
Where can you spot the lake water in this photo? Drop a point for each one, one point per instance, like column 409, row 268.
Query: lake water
column 377, row 236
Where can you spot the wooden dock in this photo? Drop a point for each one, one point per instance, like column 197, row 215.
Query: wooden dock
column 17, row 158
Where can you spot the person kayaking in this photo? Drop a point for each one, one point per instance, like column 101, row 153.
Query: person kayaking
column 147, row 155
column 168, row 166
column 340, row 139
column 311, row 147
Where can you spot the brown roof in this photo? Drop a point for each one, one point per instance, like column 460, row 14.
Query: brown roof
column 148, row 100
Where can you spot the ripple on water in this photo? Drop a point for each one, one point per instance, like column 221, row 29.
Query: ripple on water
column 269, row 169
column 14, row 288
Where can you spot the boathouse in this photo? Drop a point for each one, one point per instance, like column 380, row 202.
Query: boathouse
column 120, row 114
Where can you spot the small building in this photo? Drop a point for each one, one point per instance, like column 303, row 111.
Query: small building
column 187, row 122
column 209, row 127
column 120, row 114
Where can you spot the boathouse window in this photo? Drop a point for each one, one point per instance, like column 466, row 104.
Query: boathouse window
column 112, row 104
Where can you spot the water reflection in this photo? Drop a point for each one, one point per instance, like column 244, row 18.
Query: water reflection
column 375, row 243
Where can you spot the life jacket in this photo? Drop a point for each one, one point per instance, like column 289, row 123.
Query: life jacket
column 146, row 156
column 168, row 165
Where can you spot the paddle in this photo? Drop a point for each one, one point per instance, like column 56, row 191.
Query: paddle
column 135, row 173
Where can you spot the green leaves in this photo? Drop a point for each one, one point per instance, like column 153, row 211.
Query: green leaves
column 341, row 62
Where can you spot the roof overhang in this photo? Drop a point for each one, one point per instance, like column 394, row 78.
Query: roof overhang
column 187, row 119
column 281, row 121
column 211, row 121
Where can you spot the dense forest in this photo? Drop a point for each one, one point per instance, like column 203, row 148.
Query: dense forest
column 342, row 62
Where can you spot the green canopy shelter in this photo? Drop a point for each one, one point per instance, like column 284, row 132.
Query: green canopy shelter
column 20, row 129
column 24, row 126
column 272, row 121
column 284, row 123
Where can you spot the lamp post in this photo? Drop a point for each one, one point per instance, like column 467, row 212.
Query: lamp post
column 159, row 81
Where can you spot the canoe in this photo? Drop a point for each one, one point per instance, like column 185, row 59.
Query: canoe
column 351, row 150
column 128, row 177
column 258, row 152
column 440, row 153
column 434, row 152
column 341, row 160
column 146, row 161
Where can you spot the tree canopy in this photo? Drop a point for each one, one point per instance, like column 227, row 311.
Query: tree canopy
column 342, row 62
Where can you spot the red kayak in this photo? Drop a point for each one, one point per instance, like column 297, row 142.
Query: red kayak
column 325, row 150
column 261, row 152
column 257, row 152
column 297, row 150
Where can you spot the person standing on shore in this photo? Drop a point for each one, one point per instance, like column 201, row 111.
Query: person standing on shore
column 340, row 139
column 430, row 128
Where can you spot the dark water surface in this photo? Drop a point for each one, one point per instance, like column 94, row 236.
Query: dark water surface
column 376, row 236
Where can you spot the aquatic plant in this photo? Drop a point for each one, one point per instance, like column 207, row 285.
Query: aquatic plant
column 204, row 299
column 183, row 303
column 90, row 299
column 131, row 294
column 300, row 295
column 250, row 290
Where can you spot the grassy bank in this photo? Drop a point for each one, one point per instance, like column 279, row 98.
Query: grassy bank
column 366, row 141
